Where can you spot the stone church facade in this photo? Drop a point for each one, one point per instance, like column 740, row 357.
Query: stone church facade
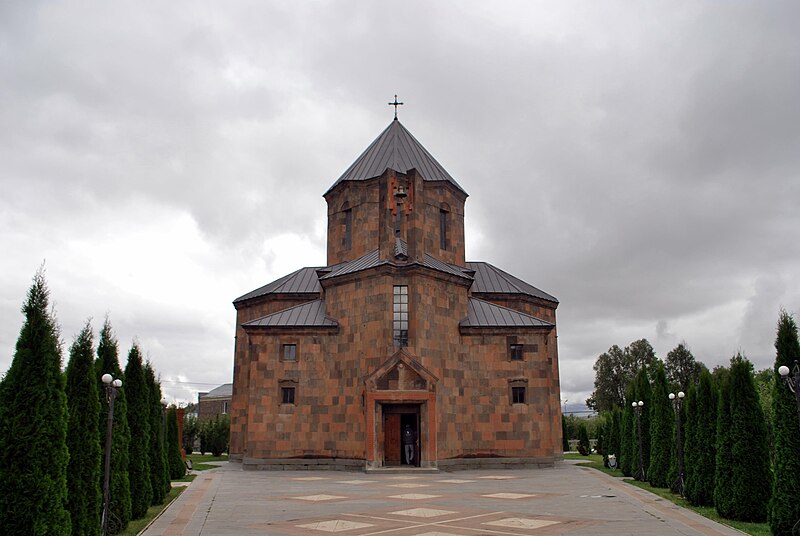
column 397, row 330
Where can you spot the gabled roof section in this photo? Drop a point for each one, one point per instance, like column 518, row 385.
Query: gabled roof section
column 311, row 314
column 223, row 391
column 395, row 148
column 482, row 314
column 492, row 280
column 302, row 281
column 372, row 259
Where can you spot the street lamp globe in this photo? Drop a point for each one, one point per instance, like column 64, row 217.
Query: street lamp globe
column 783, row 370
column 117, row 383
column 672, row 396
column 641, row 403
column 107, row 378
column 681, row 394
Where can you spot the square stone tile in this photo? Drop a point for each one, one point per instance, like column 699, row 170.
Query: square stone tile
column 439, row 534
column 455, row 481
column 509, row 495
column 408, row 485
column 335, row 525
column 316, row 498
column 423, row 512
column 522, row 523
column 497, row 477
column 413, row 496
column 309, row 478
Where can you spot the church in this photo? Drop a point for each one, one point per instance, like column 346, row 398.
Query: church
column 398, row 353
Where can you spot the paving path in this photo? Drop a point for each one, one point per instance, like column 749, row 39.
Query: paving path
column 566, row 499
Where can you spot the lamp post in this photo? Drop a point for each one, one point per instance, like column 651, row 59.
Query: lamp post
column 677, row 402
column 792, row 381
column 164, row 424
column 637, row 407
column 111, row 386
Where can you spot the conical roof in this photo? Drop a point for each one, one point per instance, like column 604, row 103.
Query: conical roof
column 396, row 149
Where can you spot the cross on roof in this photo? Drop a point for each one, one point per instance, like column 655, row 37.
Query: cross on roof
column 395, row 104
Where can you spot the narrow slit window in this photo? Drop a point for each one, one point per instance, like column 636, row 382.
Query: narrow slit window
column 348, row 228
column 287, row 395
column 443, row 215
column 518, row 395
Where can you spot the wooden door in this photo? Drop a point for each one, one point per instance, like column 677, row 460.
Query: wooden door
column 391, row 439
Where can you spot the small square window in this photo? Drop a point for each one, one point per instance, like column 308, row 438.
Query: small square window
column 287, row 395
column 515, row 351
column 289, row 352
column 518, row 395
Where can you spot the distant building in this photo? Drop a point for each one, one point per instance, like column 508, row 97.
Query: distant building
column 397, row 330
column 215, row 402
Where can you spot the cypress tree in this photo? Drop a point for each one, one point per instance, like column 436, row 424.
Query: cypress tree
column 643, row 394
column 661, row 429
column 159, row 474
column 608, row 434
column 701, row 439
column 583, row 440
column 33, row 426
column 723, row 475
column 120, row 493
column 83, row 439
column 564, row 442
column 628, row 430
column 175, row 461
column 139, row 421
column 751, row 475
column 616, row 433
column 690, row 439
column 784, row 507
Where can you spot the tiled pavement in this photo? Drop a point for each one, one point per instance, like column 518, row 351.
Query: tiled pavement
column 563, row 500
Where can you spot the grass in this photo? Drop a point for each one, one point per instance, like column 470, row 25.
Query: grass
column 136, row 526
column 200, row 461
column 595, row 461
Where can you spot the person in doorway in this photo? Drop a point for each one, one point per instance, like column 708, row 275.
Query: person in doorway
column 409, row 440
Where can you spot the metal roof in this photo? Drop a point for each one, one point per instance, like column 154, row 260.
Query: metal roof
column 482, row 314
column 490, row 279
column 372, row 259
column 223, row 391
column 311, row 314
column 302, row 281
column 395, row 148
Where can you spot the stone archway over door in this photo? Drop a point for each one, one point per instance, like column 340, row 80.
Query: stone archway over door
column 401, row 386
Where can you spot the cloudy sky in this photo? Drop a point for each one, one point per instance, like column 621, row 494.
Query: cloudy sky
column 638, row 160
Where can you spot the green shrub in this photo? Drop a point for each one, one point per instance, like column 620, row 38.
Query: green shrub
column 214, row 435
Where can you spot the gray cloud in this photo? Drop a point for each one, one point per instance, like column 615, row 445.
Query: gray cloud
column 638, row 162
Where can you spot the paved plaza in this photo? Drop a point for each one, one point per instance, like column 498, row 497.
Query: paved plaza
column 566, row 499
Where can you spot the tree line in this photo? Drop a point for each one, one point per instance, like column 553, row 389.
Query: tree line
column 53, row 427
column 741, row 434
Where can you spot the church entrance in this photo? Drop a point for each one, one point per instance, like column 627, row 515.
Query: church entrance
column 401, row 437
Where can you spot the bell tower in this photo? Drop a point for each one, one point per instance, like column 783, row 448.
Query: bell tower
column 398, row 199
